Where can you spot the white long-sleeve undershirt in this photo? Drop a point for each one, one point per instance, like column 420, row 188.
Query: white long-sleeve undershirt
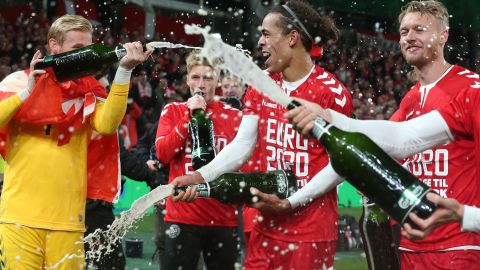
column 399, row 139
column 321, row 183
column 471, row 219
column 236, row 153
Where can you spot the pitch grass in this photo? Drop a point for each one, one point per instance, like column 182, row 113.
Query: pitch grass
column 352, row 260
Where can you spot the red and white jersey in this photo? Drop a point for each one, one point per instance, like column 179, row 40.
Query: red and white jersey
column 281, row 147
column 174, row 147
column 448, row 169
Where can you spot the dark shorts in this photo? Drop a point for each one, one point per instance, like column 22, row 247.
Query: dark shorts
column 183, row 244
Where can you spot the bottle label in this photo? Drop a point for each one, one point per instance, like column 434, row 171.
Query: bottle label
column 71, row 58
column 203, row 190
column 409, row 199
column 119, row 52
column 320, row 127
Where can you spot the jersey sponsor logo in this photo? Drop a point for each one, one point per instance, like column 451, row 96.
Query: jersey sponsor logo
column 476, row 85
column 173, row 231
column 330, row 82
column 471, row 75
column 322, row 76
column 269, row 104
column 164, row 111
column 336, row 90
column 341, row 102
column 431, row 167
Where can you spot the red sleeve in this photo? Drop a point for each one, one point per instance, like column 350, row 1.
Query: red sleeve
column 397, row 116
column 461, row 113
column 172, row 132
column 400, row 114
column 250, row 100
column 404, row 108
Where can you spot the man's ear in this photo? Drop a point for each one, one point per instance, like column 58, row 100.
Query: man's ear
column 54, row 46
column 444, row 36
column 294, row 38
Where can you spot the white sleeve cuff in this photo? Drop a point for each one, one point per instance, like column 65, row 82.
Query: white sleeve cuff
column 236, row 153
column 122, row 76
column 24, row 94
column 471, row 219
column 399, row 139
column 321, row 183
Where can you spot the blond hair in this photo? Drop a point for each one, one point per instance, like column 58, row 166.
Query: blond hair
column 430, row 7
column 68, row 23
column 196, row 59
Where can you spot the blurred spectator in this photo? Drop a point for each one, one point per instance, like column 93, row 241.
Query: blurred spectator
column 370, row 68
column 128, row 127
column 142, row 91
column 232, row 91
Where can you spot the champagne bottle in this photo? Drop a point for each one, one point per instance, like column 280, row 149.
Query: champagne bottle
column 202, row 136
column 235, row 187
column 377, row 236
column 361, row 162
column 94, row 59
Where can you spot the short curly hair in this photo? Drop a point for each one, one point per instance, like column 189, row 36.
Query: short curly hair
column 195, row 58
column 430, row 7
column 316, row 25
column 68, row 23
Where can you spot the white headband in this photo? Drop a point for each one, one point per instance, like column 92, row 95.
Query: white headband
column 297, row 21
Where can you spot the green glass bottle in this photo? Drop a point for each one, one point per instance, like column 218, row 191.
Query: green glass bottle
column 94, row 59
column 378, row 240
column 356, row 158
column 202, row 137
column 378, row 176
column 232, row 188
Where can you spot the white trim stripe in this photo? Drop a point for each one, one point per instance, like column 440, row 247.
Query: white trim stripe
column 468, row 247
column 179, row 134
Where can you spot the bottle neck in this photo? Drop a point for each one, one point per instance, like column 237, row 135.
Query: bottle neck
column 320, row 128
column 203, row 190
column 198, row 112
column 47, row 61
column 120, row 51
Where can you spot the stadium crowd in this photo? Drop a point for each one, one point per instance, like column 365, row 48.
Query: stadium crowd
column 376, row 88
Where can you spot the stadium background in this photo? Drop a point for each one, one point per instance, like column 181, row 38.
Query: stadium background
column 366, row 59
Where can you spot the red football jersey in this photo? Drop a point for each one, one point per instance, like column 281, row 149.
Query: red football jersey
column 281, row 147
column 174, row 146
column 448, row 169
